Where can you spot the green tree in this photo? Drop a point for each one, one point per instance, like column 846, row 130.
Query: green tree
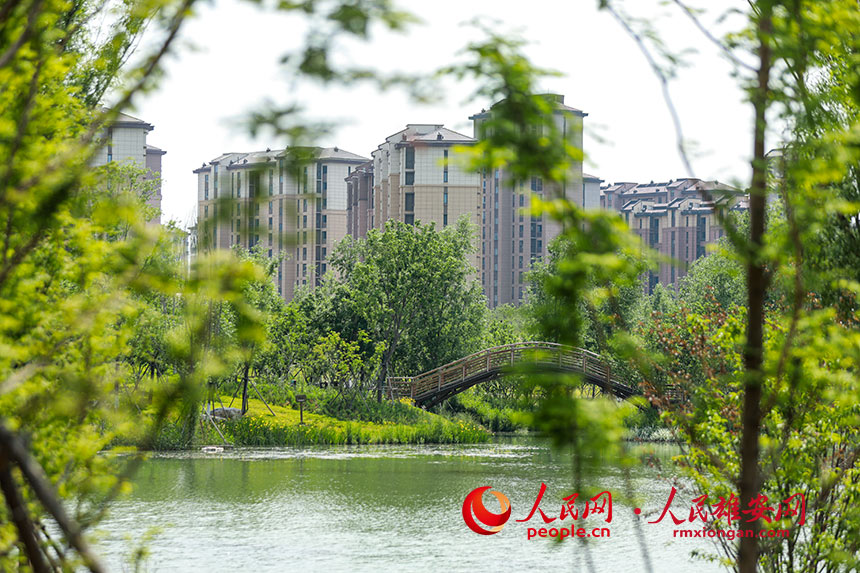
column 411, row 286
column 719, row 275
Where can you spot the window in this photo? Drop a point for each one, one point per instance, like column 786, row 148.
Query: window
column 409, row 202
column 410, row 178
column 445, row 166
column 206, row 187
column 409, row 219
column 654, row 234
column 410, row 158
column 280, row 177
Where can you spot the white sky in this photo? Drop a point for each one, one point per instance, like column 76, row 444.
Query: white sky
column 233, row 66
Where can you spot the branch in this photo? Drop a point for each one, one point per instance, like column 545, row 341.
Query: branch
column 25, row 35
column 716, row 41
column 664, row 85
column 19, row 516
column 47, row 495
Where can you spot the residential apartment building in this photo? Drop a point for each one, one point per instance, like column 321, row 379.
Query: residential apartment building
column 125, row 141
column 679, row 219
column 416, row 174
column 260, row 198
column 511, row 239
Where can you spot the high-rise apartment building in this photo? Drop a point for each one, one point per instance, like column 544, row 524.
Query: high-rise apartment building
column 125, row 141
column 416, row 174
column 511, row 239
column 299, row 213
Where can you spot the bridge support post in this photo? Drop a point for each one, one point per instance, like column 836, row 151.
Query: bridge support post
column 608, row 379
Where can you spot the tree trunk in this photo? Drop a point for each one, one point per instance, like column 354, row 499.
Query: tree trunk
column 245, row 388
column 18, row 515
column 750, row 485
column 383, row 372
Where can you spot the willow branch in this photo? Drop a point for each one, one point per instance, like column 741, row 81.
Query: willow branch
column 716, row 41
column 664, row 85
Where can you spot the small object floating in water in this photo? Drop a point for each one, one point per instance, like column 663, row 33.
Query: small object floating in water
column 212, row 449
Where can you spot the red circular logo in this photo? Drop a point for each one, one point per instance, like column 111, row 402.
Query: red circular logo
column 474, row 504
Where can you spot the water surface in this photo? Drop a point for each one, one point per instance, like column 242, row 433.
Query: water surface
column 381, row 508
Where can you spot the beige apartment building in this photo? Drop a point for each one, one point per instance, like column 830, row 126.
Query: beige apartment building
column 678, row 218
column 298, row 213
column 416, row 174
column 125, row 141
column 511, row 240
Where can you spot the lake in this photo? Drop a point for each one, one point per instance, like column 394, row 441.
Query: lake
column 386, row 508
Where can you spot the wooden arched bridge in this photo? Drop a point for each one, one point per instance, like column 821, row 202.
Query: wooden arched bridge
column 437, row 385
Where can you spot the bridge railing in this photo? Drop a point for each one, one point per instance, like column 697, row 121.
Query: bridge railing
column 496, row 358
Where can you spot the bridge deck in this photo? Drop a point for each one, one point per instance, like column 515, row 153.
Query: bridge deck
column 435, row 386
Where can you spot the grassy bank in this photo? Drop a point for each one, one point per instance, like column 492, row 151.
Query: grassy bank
column 260, row 428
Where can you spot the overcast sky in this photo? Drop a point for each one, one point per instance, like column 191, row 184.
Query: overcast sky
column 230, row 64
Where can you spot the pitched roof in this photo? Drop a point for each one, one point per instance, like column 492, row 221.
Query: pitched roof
column 442, row 134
